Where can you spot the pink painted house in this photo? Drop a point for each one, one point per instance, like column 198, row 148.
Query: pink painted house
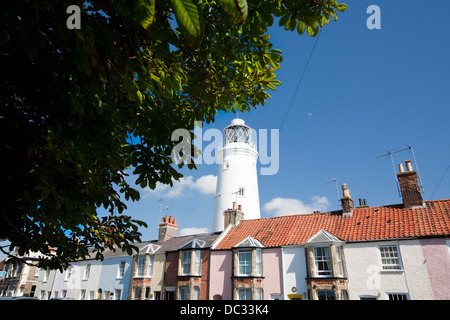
column 436, row 252
column 247, row 271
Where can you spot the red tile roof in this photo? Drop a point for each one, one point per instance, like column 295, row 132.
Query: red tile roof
column 374, row 223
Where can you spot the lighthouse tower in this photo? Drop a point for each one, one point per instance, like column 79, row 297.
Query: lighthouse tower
column 237, row 179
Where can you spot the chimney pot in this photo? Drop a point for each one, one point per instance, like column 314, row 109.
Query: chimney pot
column 240, row 207
column 408, row 165
column 234, row 205
column 347, row 202
column 168, row 228
column 400, row 167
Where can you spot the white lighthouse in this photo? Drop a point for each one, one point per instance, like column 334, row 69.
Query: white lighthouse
column 237, row 179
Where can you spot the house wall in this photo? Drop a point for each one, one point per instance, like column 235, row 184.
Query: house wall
column 272, row 266
column 109, row 279
column 294, row 271
column 45, row 285
column 158, row 273
column 366, row 277
column 205, row 278
column 436, row 252
column 220, row 273
column 75, row 282
column 171, row 273
column 90, row 284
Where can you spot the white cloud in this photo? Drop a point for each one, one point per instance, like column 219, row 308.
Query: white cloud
column 286, row 206
column 204, row 185
column 193, row 230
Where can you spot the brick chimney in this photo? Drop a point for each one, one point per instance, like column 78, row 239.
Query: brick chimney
column 409, row 186
column 168, row 228
column 347, row 202
column 233, row 216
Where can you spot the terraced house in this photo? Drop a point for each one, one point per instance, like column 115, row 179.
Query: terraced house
column 394, row 252
column 386, row 252
column 172, row 267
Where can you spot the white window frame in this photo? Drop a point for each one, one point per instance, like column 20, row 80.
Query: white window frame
column 68, row 273
column 243, row 263
column 405, row 294
column 186, row 260
column 259, row 294
column 183, row 293
column 244, row 294
column 140, row 271
column 46, row 275
column 196, row 293
column 117, row 294
column 258, row 262
column 121, row 269
column 339, row 261
column 137, row 292
column 150, row 265
column 198, row 262
column 87, row 271
column 324, row 260
column 389, row 267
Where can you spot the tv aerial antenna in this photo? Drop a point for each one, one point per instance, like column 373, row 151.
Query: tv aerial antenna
column 393, row 167
column 337, row 189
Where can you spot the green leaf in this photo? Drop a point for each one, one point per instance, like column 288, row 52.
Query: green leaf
column 313, row 29
column 284, row 19
column 145, row 12
column 236, row 9
column 188, row 19
column 301, row 27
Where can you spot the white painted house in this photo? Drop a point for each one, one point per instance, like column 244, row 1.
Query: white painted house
column 387, row 270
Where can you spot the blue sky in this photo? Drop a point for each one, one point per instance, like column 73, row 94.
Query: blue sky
column 364, row 93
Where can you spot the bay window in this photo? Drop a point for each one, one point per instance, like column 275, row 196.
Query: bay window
column 190, row 263
column 245, row 262
column 145, row 265
column 322, row 258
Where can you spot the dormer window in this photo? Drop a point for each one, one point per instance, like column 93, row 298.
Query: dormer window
column 145, row 265
column 248, row 263
column 191, row 263
column 248, row 259
column 190, row 258
column 326, row 280
column 144, row 261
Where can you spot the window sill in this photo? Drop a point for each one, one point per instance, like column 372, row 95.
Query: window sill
column 325, row 277
column 392, row 270
column 140, row 277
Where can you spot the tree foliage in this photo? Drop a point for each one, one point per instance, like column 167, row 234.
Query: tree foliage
column 80, row 106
